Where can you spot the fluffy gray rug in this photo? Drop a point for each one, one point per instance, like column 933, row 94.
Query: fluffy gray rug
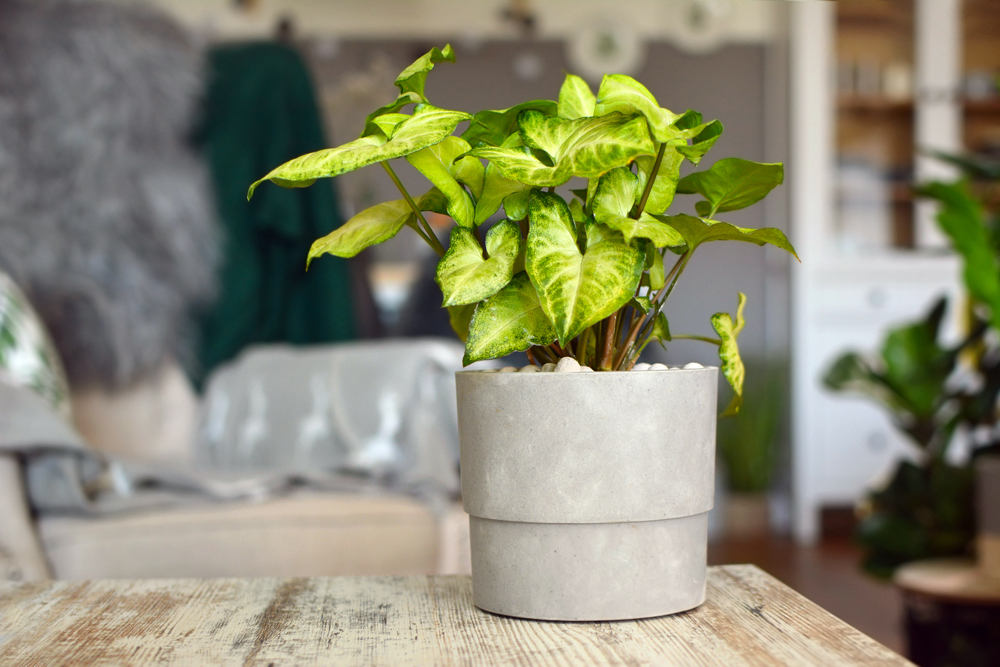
column 105, row 211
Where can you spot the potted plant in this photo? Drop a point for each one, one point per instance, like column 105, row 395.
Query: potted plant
column 937, row 393
column 588, row 492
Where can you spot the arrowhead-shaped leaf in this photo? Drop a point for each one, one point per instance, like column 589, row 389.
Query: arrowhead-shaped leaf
column 587, row 147
column 731, row 184
column 437, row 163
column 496, row 188
column 626, row 95
column 696, row 231
column 373, row 225
column 465, row 277
column 729, row 352
column 494, row 127
column 576, row 100
column 702, row 143
column 412, row 78
column 577, row 289
column 509, row 321
column 615, row 196
column 427, row 126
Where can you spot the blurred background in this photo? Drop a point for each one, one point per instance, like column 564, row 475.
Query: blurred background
column 216, row 403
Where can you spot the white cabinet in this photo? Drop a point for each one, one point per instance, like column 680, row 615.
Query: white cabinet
column 846, row 295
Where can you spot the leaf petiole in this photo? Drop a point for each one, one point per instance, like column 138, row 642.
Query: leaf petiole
column 429, row 236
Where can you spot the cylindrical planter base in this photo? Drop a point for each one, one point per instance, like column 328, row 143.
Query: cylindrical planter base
column 589, row 571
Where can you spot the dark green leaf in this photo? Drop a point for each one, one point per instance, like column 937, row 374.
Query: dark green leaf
column 731, row 184
column 494, row 127
column 697, row 231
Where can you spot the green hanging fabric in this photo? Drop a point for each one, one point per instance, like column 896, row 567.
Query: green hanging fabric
column 261, row 111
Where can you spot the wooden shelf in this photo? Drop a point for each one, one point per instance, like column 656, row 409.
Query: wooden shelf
column 873, row 104
column 989, row 106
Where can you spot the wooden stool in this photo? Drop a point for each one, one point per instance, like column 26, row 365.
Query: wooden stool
column 952, row 613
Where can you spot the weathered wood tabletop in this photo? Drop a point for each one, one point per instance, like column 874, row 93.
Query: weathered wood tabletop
column 749, row 619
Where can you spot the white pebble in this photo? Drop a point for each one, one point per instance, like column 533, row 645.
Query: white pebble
column 641, row 367
column 659, row 367
column 568, row 365
column 508, row 369
column 548, row 368
column 586, row 369
column 530, row 368
column 692, row 365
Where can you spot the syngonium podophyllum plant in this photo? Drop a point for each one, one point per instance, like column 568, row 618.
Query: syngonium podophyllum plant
column 583, row 278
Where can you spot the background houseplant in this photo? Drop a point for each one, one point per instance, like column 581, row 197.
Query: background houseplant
column 937, row 393
column 568, row 478
column 748, row 448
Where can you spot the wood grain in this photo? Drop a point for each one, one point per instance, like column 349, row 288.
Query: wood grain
column 749, row 619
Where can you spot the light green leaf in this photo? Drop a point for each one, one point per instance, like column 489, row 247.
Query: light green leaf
column 427, row 126
column 587, row 147
column 642, row 303
column 412, row 78
column 495, row 189
column 460, row 317
column 437, row 164
column 576, row 100
column 494, row 127
column 731, row 184
column 729, row 352
column 371, row 127
column 516, row 205
column 614, row 199
column 509, row 321
column 465, row 277
column 654, row 265
column 626, row 95
column 371, row 226
column 665, row 184
column 577, row 289
column 702, row 143
column 470, row 170
column 576, row 210
column 697, row 231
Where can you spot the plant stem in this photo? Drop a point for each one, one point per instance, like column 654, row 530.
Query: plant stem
column 644, row 325
column 430, row 237
column 609, row 342
column 713, row 341
column 649, row 182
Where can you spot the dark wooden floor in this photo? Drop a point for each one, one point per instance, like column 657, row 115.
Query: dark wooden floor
column 828, row 574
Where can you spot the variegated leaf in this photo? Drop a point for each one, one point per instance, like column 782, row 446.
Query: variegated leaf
column 697, row 231
column 511, row 320
column 437, row 163
column 576, row 100
column 627, row 96
column 729, row 352
column 577, row 289
column 614, row 199
column 371, row 127
column 427, row 126
column 587, row 147
column 371, row 226
column 465, row 276
column 702, row 142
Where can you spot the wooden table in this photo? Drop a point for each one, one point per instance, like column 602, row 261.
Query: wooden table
column 749, row 619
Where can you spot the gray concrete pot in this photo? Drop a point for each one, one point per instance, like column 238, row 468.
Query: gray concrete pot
column 588, row 493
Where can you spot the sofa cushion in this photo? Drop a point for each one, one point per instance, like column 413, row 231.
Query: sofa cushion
column 297, row 536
